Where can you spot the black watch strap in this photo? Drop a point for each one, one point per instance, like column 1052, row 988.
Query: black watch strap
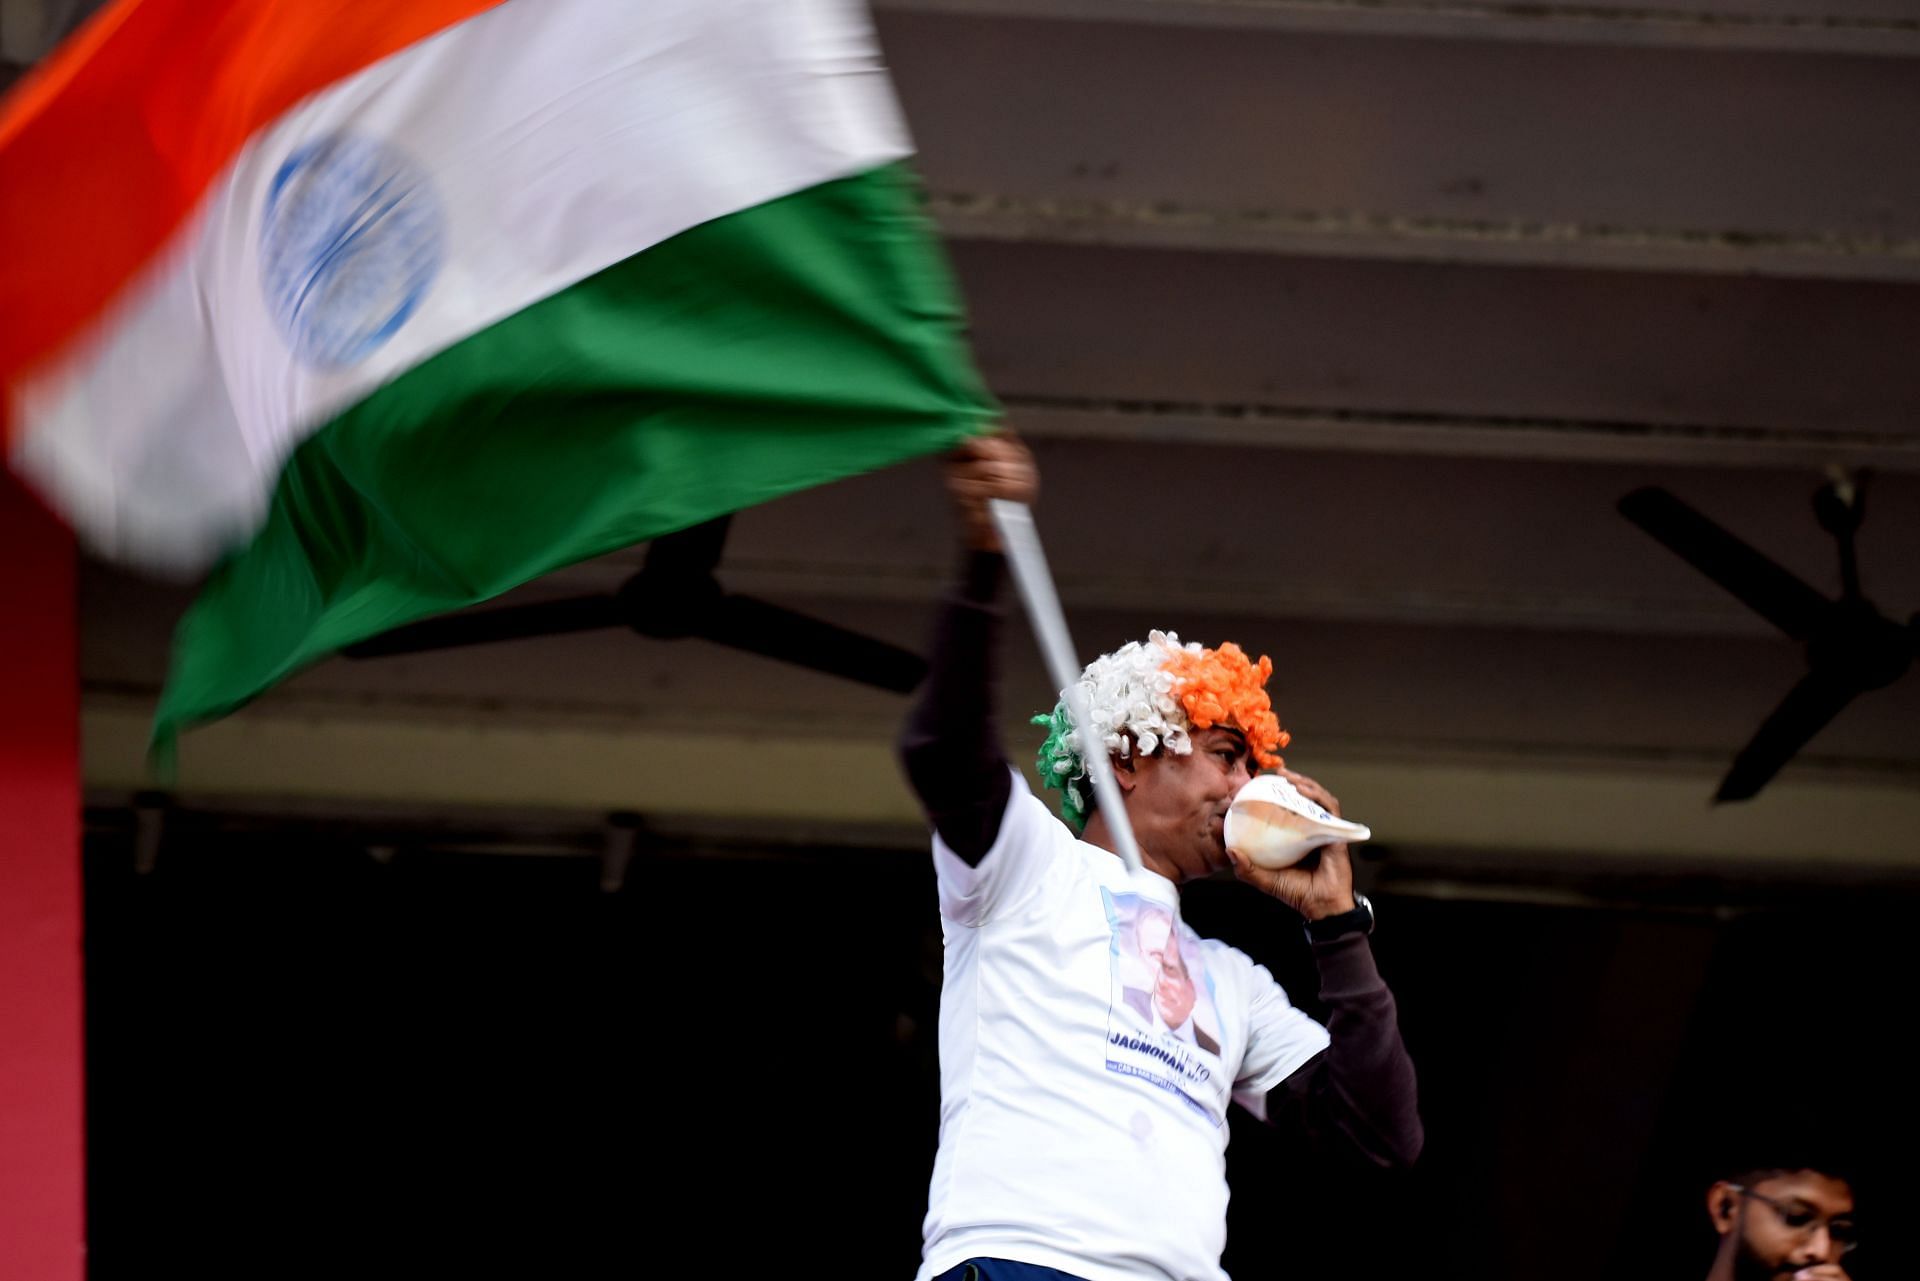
column 1329, row 928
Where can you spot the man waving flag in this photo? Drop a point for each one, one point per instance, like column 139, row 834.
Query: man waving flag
column 386, row 309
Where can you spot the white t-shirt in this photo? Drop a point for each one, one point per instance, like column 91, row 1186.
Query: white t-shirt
column 1089, row 1045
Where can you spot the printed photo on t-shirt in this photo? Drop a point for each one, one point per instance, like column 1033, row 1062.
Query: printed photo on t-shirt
column 1164, row 1022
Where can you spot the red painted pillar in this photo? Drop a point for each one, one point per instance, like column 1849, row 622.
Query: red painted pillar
column 42, row 1175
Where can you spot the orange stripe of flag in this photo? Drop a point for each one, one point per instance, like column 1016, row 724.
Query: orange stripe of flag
column 108, row 147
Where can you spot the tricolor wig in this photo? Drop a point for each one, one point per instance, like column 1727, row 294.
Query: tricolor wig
column 1148, row 698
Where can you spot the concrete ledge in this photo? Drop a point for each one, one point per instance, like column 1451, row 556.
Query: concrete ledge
column 1541, row 806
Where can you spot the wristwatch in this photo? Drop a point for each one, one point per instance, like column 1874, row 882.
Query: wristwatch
column 1329, row 928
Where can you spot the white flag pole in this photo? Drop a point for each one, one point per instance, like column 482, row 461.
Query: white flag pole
column 1021, row 541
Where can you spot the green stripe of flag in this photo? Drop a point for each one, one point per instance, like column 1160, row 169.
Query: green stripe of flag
column 777, row 348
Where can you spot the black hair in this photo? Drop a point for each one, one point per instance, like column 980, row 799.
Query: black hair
column 1786, row 1161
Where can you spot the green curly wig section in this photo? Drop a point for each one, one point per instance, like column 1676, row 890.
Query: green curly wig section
column 1060, row 765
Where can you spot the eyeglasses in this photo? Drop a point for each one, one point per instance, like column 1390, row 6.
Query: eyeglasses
column 1803, row 1220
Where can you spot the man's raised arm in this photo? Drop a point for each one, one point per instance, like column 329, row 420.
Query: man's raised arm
column 950, row 745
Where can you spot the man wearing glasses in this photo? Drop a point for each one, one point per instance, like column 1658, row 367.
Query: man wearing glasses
column 1776, row 1224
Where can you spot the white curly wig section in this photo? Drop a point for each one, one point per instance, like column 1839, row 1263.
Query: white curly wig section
column 1130, row 698
column 1130, row 692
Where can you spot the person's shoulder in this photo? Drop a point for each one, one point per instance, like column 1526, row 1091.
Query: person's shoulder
column 1030, row 817
column 1223, row 950
column 1254, row 981
column 1032, row 835
column 1226, row 958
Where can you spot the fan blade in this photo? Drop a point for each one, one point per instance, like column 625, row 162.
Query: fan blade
column 1803, row 713
column 1761, row 585
column 483, row 627
column 775, row 632
column 692, row 552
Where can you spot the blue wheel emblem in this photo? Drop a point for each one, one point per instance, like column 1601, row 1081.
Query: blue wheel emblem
column 351, row 239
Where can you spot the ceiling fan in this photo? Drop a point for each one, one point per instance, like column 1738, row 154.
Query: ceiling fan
column 1850, row 646
column 674, row 595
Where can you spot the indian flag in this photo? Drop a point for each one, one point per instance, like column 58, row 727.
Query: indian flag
column 381, row 309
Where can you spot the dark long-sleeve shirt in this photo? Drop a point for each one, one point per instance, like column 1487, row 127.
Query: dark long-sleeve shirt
column 1358, row 1093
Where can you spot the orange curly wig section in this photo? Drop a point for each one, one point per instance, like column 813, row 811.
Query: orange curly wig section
column 1223, row 687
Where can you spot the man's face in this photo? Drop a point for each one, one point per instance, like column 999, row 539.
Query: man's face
column 1178, row 804
column 1785, row 1223
column 1173, row 989
column 1172, row 985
